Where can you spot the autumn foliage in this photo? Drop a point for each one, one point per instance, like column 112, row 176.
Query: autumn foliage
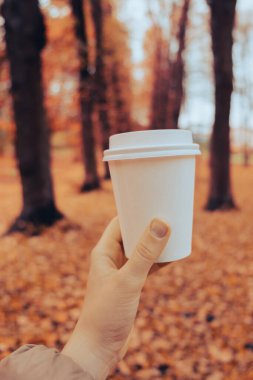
column 195, row 316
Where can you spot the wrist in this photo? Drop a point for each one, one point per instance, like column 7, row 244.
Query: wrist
column 86, row 353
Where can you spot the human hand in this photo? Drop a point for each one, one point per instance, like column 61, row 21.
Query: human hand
column 100, row 338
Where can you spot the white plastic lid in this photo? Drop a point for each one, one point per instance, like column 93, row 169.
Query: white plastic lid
column 152, row 143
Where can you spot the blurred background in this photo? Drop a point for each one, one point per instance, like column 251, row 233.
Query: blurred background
column 74, row 72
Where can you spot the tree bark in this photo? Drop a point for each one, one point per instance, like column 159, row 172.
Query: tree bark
column 25, row 39
column 168, row 87
column 177, row 72
column 86, row 94
column 101, row 82
column 222, row 22
column 122, row 119
column 159, row 99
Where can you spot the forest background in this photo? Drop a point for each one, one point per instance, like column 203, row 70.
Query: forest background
column 74, row 72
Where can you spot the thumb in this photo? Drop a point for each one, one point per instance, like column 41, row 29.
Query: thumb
column 148, row 249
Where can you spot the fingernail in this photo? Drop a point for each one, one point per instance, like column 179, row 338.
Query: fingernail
column 158, row 228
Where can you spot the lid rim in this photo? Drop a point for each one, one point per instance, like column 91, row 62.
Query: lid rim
column 167, row 153
column 150, row 149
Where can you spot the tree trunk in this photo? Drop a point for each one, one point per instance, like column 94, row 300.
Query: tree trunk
column 159, row 99
column 222, row 22
column 101, row 82
column 25, row 39
column 246, row 156
column 122, row 115
column 176, row 72
column 86, row 93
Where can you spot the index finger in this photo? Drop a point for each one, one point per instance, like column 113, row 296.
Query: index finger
column 111, row 237
column 110, row 244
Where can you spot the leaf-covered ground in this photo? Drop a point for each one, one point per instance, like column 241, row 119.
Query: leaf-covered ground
column 196, row 316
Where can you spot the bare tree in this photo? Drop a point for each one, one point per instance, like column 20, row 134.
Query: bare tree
column 123, row 118
column 86, row 96
column 222, row 22
column 168, row 66
column 101, row 82
column 117, row 67
column 177, row 70
column 25, row 39
column 159, row 100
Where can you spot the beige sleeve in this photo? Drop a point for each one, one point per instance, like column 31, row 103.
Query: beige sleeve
column 32, row 362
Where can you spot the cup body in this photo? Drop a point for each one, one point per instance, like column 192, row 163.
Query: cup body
column 157, row 186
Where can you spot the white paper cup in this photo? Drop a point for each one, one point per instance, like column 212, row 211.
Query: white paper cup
column 153, row 175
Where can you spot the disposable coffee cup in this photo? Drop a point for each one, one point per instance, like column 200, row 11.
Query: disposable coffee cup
column 153, row 175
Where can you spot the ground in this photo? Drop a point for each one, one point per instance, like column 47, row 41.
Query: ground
column 195, row 318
